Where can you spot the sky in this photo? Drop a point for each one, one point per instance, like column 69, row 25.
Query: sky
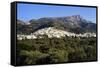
column 26, row 12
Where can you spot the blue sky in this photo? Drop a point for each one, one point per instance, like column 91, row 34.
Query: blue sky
column 26, row 12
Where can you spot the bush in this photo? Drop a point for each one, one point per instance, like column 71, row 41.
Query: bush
column 32, row 56
column 55, row 50
column 58, row 55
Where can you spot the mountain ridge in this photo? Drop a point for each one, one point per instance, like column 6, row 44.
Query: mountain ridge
column 74, row 24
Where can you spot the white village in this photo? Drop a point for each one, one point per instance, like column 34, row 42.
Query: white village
column 53, row 32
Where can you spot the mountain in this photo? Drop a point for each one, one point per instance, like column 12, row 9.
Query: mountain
column 19, row 22
column 75, row 24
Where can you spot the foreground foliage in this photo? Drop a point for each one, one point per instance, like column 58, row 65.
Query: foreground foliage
column 56, row 50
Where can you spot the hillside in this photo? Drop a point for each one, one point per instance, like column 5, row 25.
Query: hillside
column 53, row 32
column 75, row 24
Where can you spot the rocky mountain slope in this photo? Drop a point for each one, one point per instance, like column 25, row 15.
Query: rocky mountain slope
column 75, row 24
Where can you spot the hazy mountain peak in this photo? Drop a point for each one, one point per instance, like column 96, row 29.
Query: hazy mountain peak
column 74, row 23
column 75, row 17
column 20, row 22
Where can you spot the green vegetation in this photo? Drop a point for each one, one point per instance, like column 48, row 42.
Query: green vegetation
column 56, row 50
